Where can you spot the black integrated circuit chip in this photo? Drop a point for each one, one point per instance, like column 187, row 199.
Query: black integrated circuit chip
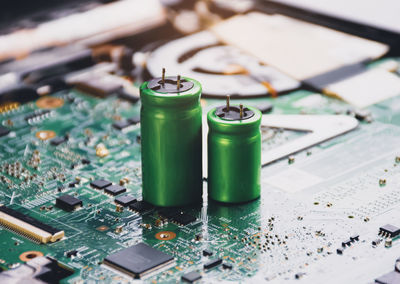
column 114, row 189
column 85, row 161
column 68, row 202
column 389, row 278
column 264, row 107
column 73, row 183
column 125, row 200
column 227, row 265
column 71, row 253
column 138, row 260
column 134, row 120
column 58, row 141
column 389, row 231
column 212, row 263
column 168, row 212
column 191, row 277
column 177, row 216
column 183, row 219
column 141, row 207
column 121, row 125
column 3, row 131
column 100, row 183
column 126, row 95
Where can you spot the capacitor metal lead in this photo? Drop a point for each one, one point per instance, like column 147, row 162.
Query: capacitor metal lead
column 171, row 141
column 234, row 153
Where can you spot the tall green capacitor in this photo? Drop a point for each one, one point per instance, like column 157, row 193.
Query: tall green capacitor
column 171, row 139
column 234, row 153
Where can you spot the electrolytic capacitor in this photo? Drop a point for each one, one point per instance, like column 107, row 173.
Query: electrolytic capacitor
column 234, row 153
column 171, row 141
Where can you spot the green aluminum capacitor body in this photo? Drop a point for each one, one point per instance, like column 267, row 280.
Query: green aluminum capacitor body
column 171, row 139
column 234, row 157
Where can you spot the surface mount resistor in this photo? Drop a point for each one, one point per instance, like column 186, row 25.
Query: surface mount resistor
column 234, row 153
column 171, row 141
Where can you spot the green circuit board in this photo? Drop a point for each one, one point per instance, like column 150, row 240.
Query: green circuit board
column 282, row 236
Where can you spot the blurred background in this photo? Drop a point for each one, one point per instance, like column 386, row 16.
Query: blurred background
column 241, row 48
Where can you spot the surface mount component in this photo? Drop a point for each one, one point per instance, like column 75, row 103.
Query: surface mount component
column 125, row 200
column 183, row 219
column 58, row 141
column 171, row 141
column 68, row 202
column 389, row 278
column 191, row 277
column 234, row 153
column 138, row 260
column 4, row 131
column 140, row 206
column 100, row 183
column 121, row 125
column 28, row 226
column 114, row 189
column 389, row 231
column 212, row 263
column 177, row 216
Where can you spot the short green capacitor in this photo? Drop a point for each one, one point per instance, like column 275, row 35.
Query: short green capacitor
column 234, row 153
column 171, row 139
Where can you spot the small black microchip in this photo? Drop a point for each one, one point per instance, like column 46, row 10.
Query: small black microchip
column 121, row 125
column 85, row 161
column 207, row 252
column 389, row 278
column 226, row 265
column 168, row 212
column 264, row 107
column 126, row 95
column 183, row 219
column 125, row 200
column 346, row 243
column 177, row 216
column 138, row 260
column 191, row 277
column 68, row 202
column 354, row 238
column 141, row 207
column 212, row 263
column 58, row 141
column 100, row 183
column 3, row 131
column 73, row 183
column 362, row 114
column 114, row 189
column 134, row 120
column 389, row 231
column 71, row 253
